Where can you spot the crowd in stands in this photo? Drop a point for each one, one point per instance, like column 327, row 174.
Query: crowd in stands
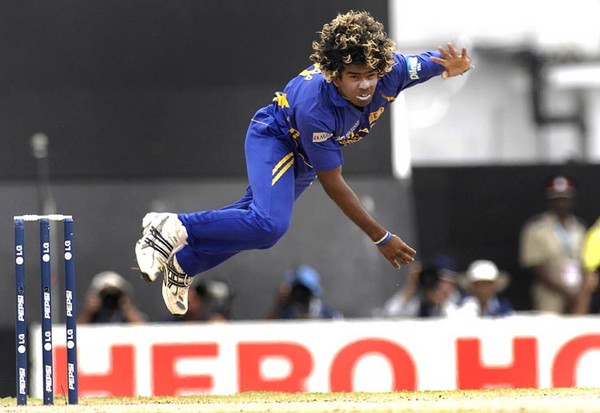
column 559, row 253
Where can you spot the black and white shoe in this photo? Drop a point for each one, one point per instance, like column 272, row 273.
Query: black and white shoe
column 175, row 287
column 162, row 235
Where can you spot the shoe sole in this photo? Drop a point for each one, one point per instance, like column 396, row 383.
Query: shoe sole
column 178, row 307
column 180, row 310
column 144, row 276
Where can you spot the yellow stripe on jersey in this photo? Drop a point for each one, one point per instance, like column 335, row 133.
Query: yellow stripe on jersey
column 287, row 161
column 283, row 170
column 281, row 162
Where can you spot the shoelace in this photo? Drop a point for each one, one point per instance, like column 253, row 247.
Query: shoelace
column 177, row 279
column 156, row 241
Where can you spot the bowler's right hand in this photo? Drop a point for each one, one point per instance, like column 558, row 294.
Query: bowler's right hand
column 397, row 252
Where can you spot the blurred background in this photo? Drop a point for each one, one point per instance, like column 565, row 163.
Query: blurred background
column 110, row 109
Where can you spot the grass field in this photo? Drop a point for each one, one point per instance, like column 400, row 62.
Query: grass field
column 480, row 401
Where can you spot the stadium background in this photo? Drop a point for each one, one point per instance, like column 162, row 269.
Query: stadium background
column 146, row 103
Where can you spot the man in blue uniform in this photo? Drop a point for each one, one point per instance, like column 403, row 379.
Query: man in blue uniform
column 296, row 139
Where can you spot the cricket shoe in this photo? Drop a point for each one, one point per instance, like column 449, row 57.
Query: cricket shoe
column 175, row 287
column 162, row 235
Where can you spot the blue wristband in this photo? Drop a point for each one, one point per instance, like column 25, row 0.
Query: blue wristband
column 384, row 240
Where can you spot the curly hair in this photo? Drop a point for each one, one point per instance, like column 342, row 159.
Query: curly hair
column 353, row 38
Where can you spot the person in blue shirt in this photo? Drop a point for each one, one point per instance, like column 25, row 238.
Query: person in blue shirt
column 300, row 296
column 356, row 74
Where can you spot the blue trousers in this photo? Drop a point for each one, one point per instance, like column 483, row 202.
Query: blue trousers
column 277, row 176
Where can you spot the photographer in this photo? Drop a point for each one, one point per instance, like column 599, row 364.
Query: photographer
column 428, row 292
column 299, row 297
column 108, row 300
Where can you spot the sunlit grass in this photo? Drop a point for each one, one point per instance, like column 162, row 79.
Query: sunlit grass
column 275, row 397
column 573, row 400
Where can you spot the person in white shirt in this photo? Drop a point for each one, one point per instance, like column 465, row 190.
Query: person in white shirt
column 428, row 292
column 482, row 284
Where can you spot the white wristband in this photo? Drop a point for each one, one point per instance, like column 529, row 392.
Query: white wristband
column 384, row 240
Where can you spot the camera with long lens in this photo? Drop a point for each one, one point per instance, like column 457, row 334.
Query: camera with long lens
column 111, row 298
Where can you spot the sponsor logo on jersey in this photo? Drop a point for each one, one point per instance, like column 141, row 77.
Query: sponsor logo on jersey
column 281, row 99
column 321, row 136
column 373, row 116
column 388, row 98
column 351, row 136
column 414, row 67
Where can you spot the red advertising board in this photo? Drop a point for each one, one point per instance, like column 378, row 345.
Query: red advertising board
column 324, row 356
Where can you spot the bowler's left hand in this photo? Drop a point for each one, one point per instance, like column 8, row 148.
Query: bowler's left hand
column 455, row 63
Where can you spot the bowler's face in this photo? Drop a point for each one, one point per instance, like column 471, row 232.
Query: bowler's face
column 357, row 84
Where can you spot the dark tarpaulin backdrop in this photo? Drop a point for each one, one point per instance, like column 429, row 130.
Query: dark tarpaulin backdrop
column 148, row 88
column 146, row 105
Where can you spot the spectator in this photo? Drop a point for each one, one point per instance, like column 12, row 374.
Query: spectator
column 208, row 300
column 108, row 300
column 300, row 297
column 551, row 247
column 589, row 301
column 428, row 292
column 482, row 283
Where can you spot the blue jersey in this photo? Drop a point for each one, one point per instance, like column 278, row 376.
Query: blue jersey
column 301, row 132
column 321, row 121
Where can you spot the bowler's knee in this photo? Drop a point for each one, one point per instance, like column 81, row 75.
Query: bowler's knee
column 272, row 230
